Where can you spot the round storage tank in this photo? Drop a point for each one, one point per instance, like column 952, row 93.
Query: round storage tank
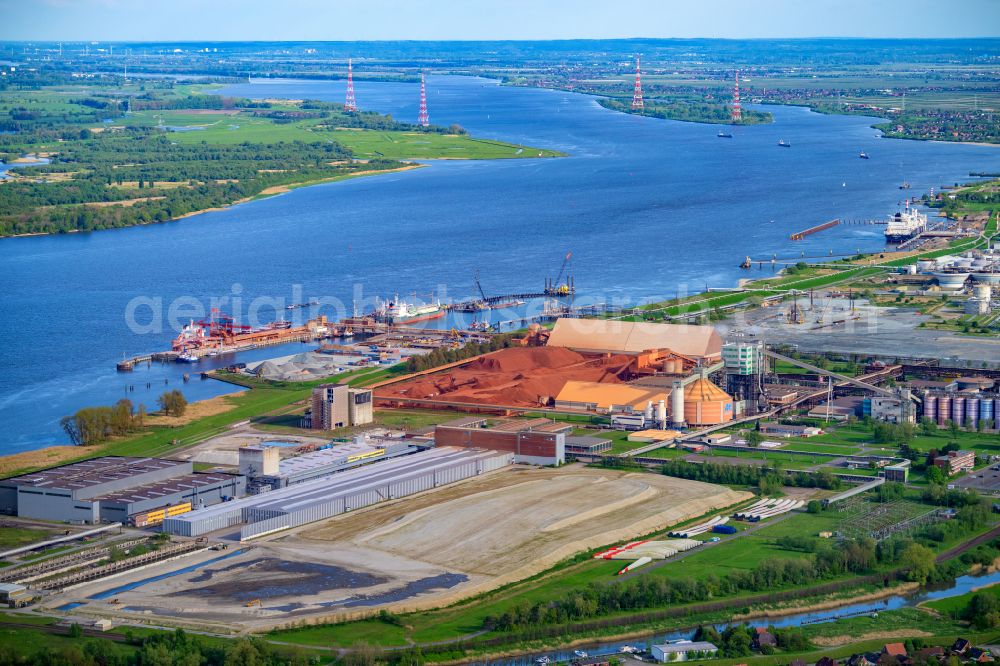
column 974, row 383
column 958, row 409
column 930, row 407
column 987, row 277
column 971, row 412
column 986, row 412
column 944, row 409
column 983, row 291
column 706, row 404
column 949, row 280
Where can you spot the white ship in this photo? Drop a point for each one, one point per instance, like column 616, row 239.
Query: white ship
column 400, row 312
column 904, row 225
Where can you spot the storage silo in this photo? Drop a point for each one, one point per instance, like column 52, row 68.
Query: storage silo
column 707, row 404
column 958, row 409
column 661, row 414
column 971, row 412
column 944, row 409
column 930, row 407
column 677, row 405
column 986, row 410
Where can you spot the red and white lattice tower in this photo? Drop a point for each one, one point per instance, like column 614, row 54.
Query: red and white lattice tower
column 737, row 112
column 637, row 92
column 350, row 104
column 422, row 118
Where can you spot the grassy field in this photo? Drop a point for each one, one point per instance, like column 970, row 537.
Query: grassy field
column 239, row 127
column 12, row 537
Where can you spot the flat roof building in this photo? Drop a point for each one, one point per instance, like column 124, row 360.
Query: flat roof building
column 587, row 444
column 612, row 335
column 530, row 440
column 111, row 488
column 606, row 398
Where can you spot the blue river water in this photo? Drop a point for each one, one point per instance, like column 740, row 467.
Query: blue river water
column 648, row 208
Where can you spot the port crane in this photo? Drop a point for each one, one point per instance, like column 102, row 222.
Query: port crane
column 557, row 287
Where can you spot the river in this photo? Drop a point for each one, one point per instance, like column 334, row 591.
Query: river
column 649, row 208
column 961, row 585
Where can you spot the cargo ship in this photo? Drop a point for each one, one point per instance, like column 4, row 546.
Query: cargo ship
column 400, row 312
column 905, row 224
column 220, row 332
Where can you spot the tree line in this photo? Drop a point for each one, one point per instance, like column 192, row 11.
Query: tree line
column 645, row 592
column 95, row 425
column 439, row 357
column 767, row 479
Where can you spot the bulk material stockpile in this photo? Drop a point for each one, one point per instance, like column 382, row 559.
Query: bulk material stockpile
column 340, row 493
column 767, row 508
column 707, row 526
column 644, row 552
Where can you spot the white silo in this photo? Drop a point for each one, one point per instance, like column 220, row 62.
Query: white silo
column 677, row 405
column 661, row 414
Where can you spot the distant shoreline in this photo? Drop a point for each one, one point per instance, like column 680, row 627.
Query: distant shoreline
column 267, row 192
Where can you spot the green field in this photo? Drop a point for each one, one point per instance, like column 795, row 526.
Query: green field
column 13, row 537
column 238, row 127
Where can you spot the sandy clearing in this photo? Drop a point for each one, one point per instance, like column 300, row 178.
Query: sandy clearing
column 194, row 411
column 47, row 457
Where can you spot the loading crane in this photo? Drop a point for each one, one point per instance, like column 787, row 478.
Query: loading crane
column 557, row 287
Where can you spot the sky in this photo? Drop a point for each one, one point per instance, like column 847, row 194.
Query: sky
column 348, row 20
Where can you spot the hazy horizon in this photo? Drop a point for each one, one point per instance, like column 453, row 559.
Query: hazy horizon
column 487, row 20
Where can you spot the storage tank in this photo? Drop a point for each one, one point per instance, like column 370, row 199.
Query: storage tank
column 649, row 411
column 677, row 405
column 951, row 280
column 958, row 409
column 983, row 291
column 911, row 269
column 971, row 412
column 707, row 404
column 930, row 407
column 661, row 414
column 944, row 409
column 986, row 411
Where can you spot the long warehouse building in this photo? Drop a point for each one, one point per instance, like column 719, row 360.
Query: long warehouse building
column 340, row 493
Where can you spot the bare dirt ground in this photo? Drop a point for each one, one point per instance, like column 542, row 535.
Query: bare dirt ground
column 513, row 524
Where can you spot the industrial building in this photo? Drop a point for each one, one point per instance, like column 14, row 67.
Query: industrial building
column 587, row 444
column 329, row 496
column 114, row 489
column 265, row 470
column 339, row 406
column 680, row 649
column 956, row 462
column 891, row 409
column 702, row 343
column 533, row 441
column 746, row 366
